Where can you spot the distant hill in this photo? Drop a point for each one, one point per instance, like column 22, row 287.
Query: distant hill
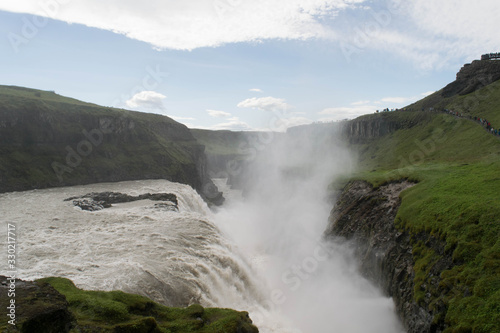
column 49, row 140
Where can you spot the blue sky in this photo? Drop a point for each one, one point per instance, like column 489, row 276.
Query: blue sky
column 241, row 64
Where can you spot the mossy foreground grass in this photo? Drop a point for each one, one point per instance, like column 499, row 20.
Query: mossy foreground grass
column 116, row 311
column 456, row 165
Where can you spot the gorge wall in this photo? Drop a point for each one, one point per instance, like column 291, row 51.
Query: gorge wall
column 365, row 217
column 47, row 140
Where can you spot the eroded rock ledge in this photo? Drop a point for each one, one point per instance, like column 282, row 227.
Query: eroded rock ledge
column 97, row 201
column 365, row 216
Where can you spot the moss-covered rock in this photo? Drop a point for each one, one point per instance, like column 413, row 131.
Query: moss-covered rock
column 38, row 308
column 56, row 305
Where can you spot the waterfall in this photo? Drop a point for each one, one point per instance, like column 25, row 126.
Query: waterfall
column 264, row 255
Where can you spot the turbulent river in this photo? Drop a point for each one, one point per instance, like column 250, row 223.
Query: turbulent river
column 264, row 254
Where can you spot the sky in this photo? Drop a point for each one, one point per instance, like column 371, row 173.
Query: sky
column 244, row 64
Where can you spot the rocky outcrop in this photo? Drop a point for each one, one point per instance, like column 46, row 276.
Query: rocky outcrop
column 38, row 307
column 473, row 76
column 360, row 130
column 365, row 216
column 366, row 128
column 47, row 140
column 97, row 201
column 56, row 305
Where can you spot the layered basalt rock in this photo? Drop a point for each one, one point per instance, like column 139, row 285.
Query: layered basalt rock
column 365, row 217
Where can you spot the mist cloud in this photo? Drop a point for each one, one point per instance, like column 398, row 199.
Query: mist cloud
column 313, row 283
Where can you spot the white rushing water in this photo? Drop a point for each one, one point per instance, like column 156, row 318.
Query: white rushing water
column 174, row 257
column 264, row 255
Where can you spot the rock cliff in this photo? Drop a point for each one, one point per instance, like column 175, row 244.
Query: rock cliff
column 473, row 76
column 365, row 216
column 47, row 140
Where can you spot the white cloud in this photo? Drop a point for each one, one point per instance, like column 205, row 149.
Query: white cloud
column 233, row 124
column 340, row 113
column 218, row 114
column 431, row 34
column 147, row 101
column 265, row 103
column 365, row 107
column 256, row 90
column 181, row 118
column 360, row 103
column 186, row 25
column 397, row 100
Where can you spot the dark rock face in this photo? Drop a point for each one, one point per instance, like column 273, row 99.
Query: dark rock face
column 366, row 217
column 473, row 76
column 39, row 307
column 63, row 142
column 97, row 201
column 359, row 130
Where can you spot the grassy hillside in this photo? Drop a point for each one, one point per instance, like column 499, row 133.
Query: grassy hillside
column 457, row 201
column 482, row 103
column 50, row 140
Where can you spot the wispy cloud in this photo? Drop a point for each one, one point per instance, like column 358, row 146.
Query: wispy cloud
column 232, row 124
column 431, row 34
column 397, row 100
column 218, row 114
column 360, row 103
column 256, row 90
column 181, row 118
column 360, row 108
column 187, row 25
column 265, row 103
column 340, row 113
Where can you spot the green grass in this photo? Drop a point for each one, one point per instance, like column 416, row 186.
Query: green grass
column 13, row 93
column 117, row 311
column 483, row 103
column 456, row 165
